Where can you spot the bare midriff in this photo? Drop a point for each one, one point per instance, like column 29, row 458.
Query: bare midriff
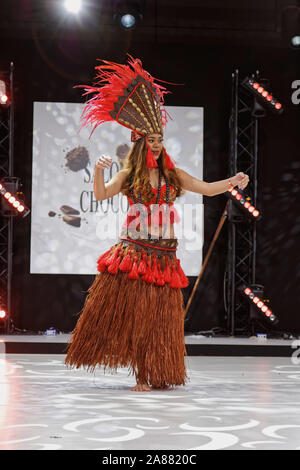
column 157, row 232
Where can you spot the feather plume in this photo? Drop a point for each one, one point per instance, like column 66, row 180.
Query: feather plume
column 112, row 82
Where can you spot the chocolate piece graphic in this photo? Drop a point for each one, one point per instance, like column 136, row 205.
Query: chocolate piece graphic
column 69, row 210
column 77, row 159
column 52, row 214
column 122, row 151
column 70, row 220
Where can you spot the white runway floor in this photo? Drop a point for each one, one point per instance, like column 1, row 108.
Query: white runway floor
column 234, row 403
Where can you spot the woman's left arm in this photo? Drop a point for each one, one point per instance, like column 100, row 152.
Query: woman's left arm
column 190, row 183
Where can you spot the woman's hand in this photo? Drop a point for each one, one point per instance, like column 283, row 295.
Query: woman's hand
column 241, row 180
column 103, row 162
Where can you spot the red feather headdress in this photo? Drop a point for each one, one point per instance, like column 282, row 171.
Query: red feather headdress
column 126, row 94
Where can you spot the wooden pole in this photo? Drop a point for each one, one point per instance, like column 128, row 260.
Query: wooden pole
column 216, row 236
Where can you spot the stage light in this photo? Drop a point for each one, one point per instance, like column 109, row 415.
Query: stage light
column 244, row 203
column 258, row 111
column 295, row 42
column 2, row 314
column 259, row 304
column 265, row 97
column 73, row 6
column 13, row 201
column 128, row 14
column 290, row 25
column 4, row 99
column 128, row 21
column 3, row 95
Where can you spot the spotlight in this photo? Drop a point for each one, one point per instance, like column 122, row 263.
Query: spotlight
column 2, row 314
column 11, row 203
column 3, row 95
column 290, row 25
column 295, row 42
column 258, row 111
column 258, row 304
column 128, row 14
column 262, row 95
column 73, row 6
column 243, row 203
column 128, row 21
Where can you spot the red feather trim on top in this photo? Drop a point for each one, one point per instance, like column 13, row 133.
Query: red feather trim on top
column 113, row 80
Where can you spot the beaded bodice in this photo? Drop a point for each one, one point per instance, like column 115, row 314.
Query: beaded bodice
column 159, row 211
column 162, row 197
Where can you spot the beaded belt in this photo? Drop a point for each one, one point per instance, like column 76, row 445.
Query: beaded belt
column 167, row 246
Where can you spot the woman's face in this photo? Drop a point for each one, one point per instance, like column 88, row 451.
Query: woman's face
column 156, row 143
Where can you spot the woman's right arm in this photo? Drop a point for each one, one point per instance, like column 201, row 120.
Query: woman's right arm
column 104, row 191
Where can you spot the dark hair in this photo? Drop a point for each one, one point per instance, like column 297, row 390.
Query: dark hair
column 138, row 175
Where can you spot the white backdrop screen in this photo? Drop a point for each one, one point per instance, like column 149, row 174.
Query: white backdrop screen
column 69, row 228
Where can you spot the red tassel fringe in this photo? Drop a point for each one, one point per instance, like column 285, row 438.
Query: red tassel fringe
column 139, row 265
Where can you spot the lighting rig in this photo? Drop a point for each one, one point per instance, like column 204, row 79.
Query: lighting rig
column 11, row 197
column 252, row 98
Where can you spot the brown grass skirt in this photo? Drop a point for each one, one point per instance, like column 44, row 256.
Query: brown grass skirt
column 131, row 323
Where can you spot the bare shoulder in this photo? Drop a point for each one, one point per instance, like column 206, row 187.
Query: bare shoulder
column 181, row 173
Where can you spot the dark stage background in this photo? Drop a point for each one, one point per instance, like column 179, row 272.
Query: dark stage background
column 196, row 43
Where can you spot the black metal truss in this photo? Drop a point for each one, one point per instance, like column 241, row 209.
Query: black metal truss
column 6, row 223
column 241, row 258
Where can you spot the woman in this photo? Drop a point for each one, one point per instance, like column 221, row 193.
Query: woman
column 133, row 315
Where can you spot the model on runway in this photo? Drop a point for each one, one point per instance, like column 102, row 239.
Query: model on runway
column 133, row 315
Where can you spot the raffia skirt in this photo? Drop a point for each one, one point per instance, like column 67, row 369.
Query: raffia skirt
column 133, row 315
